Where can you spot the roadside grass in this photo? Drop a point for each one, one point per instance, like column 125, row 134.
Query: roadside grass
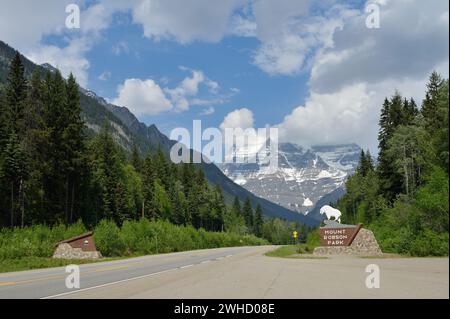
column 301, row 251
column 29, row 263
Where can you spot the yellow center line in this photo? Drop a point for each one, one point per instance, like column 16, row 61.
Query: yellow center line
column 28, row 281
column 11, row 283
column 111, row 268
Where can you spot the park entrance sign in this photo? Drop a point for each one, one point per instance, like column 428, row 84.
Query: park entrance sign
column 341, row 239
column 335, row 234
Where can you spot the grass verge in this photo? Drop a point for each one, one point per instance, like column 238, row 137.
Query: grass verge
column 29, row 263
column 301, row 251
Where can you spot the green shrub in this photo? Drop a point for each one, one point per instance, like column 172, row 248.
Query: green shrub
column 107, row 239
column 429, row 243
column 133, row 238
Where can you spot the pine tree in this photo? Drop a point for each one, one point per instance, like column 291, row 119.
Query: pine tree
column 136, row 160
column 15, row 171
column 410, row 111
column 179, row 214
column 16, row 94
column 237, row 207
column 391, row 117
column 73, row 142
column 13, row 131
column 161, row 201
column 259, row 220
column 430, row 103
column 247, row 211
column 219, row 207
column 148, row 177
column 106, row 168
column 55, row 161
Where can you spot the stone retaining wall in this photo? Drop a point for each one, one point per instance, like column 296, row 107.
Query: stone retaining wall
column 65, row 251
column 364, row 244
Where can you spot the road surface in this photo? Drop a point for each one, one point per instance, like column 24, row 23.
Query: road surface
column 242, row 272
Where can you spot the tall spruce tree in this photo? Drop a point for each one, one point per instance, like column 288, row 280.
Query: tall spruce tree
column 15, row 171
column 392, row 116
column 236, row 209
column 247, row 211
column 73, row 142
column 16, row 94
column 430, row 108
column 259, row 220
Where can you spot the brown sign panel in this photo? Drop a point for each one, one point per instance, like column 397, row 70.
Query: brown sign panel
column 338, row 236
column 85, row 242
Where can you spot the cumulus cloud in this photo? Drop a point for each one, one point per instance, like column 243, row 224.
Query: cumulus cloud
column 67, row 59
column 290, row 35
column 142, row 97
column 104, row 76
column 351, row 77
column 147, row 97
column 22, row 24
column 340, row 117
column 121, row 48
column 239, row 118
column 184, row 21
column 188, row 88
column 411, row 41
column 208, row 111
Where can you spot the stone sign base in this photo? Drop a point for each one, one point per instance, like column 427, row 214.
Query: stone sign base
column 364, row 244
column 65, row 251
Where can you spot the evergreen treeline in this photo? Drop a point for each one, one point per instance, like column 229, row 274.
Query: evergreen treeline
column 52, row 173
column 404, row 197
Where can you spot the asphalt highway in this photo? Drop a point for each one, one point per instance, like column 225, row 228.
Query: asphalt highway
column 242, row 272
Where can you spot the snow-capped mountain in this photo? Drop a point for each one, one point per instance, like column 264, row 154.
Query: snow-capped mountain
column 303, row 175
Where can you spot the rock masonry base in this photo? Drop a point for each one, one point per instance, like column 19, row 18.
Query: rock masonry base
column 65, row 251
column 364, row 244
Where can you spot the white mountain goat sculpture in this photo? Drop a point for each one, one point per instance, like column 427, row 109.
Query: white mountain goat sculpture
column 331, row 212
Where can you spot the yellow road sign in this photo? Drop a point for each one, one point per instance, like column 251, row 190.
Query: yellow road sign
column 295, row 234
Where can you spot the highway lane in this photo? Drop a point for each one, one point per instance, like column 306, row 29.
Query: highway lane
column 237, row 273
column 44, row 283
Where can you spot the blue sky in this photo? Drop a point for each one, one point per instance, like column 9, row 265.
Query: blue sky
column 228, row 62
column 314, row 69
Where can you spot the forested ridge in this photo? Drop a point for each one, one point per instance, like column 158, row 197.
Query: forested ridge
column 404, row 196
column 52, row 172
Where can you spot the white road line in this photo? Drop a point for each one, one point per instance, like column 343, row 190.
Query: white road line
column 229, row 256
column 108, row 284
column 220, row 258
column 187, row 266
column 205, row 261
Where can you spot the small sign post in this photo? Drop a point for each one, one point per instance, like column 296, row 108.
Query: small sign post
column 295, row 235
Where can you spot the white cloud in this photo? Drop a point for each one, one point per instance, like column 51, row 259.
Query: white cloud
column 146, row 97
column 239, row 118
column 121, row 48
column 142, row 97
column 208, row 111
column 340, row 117
column 411, row 40
column 23, row 22
column 188, row 88
column 351, row 75
column 185, row 21
column 104, row 76
column 68, row 59
column 290, row 36
column 243, row 27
